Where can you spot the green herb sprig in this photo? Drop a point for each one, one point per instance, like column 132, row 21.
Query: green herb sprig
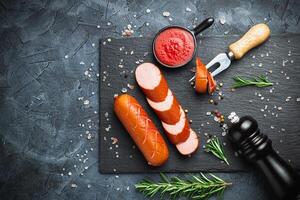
column 198, row 187
column 214, row 146
column 259, row 81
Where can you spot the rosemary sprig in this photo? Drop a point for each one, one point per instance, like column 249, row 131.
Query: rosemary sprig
column 198, row 187
column 259, row 81
column 214, row 146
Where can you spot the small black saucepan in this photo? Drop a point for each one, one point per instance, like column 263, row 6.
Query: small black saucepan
column 175, row 46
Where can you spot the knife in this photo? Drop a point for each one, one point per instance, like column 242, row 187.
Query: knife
column 253, row 38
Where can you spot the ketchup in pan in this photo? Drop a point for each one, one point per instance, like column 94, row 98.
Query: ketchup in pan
column 175, row 46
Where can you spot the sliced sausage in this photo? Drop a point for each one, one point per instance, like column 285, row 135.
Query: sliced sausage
column 204, row 81
column 212, row 85
column 168, row 110
column 178, row 132
column 201, row 80
column 141, row 129
column 190, row 145
column 152, row 82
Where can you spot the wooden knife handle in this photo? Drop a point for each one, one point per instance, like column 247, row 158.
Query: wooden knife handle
column 254, row 37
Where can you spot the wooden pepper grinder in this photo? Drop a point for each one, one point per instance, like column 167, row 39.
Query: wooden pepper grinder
column 257, row 148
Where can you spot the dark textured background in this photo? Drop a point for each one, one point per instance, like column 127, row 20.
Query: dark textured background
column 40, row 86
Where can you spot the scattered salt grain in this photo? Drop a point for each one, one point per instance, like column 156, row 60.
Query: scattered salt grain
column 86, row 102
column 108, row 23
column 222, row 20
column 66, row 56
column 98, row 26
column 89, row 136
column 148, row 10
column 73, row 185
column 279, row 108
column 188, row 9
column 283, row 62
column 124, row 90
column 70, row 173
column 166, row 14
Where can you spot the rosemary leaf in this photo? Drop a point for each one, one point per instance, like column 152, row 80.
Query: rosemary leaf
column 214, row 146
column 259, row 81
column 198, row 187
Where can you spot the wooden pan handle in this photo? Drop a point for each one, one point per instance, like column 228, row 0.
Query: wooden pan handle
column 254, row 37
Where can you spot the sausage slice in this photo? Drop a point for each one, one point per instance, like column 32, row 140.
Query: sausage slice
column 168, row 110
column 178, row 132
column 190, row 145
column 152, row 82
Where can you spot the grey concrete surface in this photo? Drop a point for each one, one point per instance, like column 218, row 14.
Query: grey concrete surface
column 46, row 47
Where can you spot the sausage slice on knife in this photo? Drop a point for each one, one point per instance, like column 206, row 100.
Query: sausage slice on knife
column 141, row 129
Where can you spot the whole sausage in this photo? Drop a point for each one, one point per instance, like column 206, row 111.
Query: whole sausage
column 141, row 129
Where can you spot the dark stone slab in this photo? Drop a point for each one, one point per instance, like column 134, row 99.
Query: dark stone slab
column 277, row 58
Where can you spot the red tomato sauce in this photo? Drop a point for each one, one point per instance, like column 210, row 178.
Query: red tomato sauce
column 174, row 46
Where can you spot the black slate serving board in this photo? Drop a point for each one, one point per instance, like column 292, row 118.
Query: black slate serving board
column 278, row 58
